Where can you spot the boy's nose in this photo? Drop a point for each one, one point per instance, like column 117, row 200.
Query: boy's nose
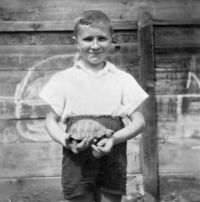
column 95, row 44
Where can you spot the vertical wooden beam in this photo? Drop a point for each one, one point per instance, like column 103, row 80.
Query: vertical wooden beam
column 147, row 74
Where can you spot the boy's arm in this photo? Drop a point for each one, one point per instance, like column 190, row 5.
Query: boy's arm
column 135, row 127
column 60, row 136
column 54, row 129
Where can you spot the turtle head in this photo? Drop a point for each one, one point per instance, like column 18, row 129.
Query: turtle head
column 109, row 133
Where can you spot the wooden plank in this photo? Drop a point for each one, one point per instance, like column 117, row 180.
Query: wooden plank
column 31, row 189
column 57, row 38
column 60, row 10
column 177, row 61
column 61, row 15
column 59, row 56
column 30, row 159
column 192, row 49
column 177, row 35
column 171, row 82
column 180, row 188
column 183, row 15
column 24, row 131
column 149, row 148
column 58, row 26
column 179, row 156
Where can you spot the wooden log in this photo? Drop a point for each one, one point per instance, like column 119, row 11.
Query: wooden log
column 180, row 187
column 149, row 143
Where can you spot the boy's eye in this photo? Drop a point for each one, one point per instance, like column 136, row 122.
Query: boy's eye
column 88, row 39
column 102, row 39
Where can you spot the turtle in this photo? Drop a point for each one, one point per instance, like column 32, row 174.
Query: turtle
column 87, row 128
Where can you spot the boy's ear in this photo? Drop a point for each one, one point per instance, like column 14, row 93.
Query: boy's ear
column 113, row 39
column 75, row 41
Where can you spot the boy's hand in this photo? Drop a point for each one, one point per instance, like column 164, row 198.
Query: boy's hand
column 103, row 147
column 84, row 144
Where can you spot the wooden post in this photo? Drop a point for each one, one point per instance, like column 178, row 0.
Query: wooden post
column 149, row 138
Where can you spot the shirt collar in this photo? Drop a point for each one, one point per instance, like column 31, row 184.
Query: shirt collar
column 108, row 67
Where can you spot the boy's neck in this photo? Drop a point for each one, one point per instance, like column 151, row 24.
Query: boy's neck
column 95, row 68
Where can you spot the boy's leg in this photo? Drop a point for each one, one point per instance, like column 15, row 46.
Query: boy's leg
column 82, row 198
column 107, row 197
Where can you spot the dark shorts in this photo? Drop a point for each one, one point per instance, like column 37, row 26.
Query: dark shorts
column 83, row 173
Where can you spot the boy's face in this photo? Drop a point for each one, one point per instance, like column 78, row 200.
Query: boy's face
column 94, row 44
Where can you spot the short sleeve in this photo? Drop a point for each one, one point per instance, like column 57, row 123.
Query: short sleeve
column 133, row 95
column 53, row 95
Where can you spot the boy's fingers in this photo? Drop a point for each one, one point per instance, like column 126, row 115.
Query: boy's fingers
column 67, row 136
column 95, row 148
column 90, row 140
column 82, row 143
column 96, row 154
column 102, row 142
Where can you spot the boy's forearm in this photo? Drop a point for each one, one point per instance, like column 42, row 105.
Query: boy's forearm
column 55, row 131
column 136, row 127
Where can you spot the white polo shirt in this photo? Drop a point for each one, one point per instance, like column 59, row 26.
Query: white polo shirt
column 78, row 91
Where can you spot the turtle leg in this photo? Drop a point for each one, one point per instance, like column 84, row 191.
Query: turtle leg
column 109, row 133
column 74, row 146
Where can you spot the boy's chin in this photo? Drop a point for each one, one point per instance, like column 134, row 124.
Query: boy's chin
column 95, row 62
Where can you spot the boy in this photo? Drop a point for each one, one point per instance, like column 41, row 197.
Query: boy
column 94, row 89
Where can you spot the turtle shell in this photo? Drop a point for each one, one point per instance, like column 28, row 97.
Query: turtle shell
column 87, row 128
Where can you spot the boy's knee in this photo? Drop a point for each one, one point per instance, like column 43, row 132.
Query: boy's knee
column 101, row 196
column 82, row 198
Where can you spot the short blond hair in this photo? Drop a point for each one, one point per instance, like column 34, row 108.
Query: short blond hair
column 93, row 18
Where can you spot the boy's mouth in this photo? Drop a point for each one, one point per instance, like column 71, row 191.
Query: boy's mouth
column 95, row 52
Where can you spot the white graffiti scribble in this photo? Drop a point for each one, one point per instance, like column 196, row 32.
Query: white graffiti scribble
column 190, row 76
column 26, row 96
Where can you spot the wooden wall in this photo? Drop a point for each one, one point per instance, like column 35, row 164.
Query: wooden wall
column 35, row 42
column 177, row 64
column 30, row 160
